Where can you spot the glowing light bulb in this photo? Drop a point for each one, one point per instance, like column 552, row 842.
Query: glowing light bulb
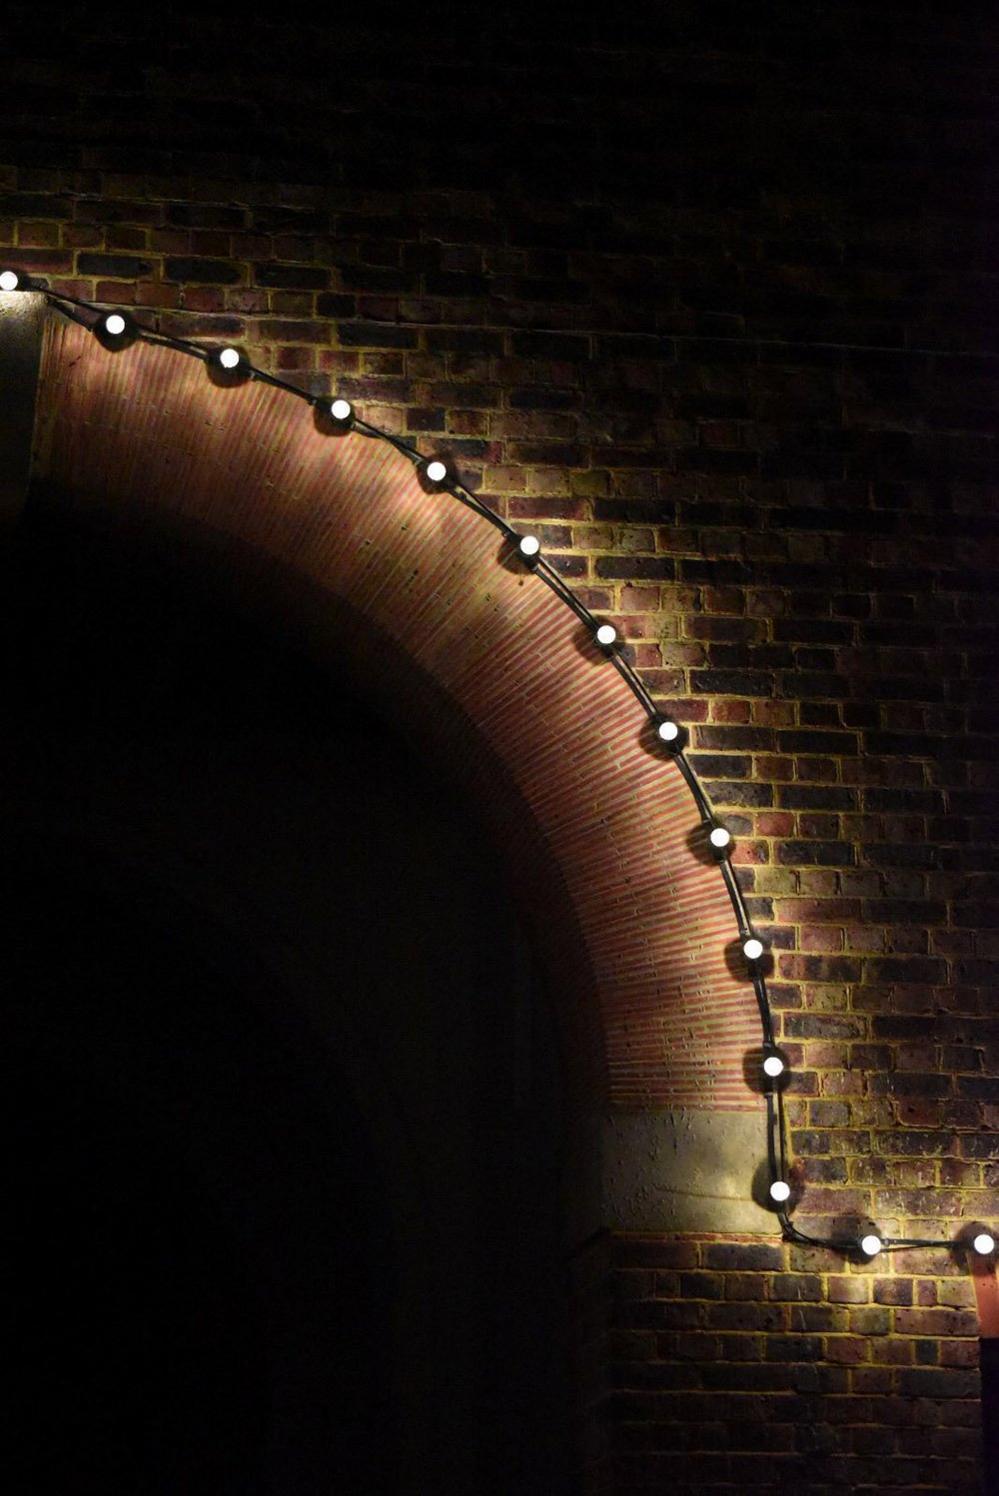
column 984, row 1244
column 114, row 323
column 436, row 471
column 780, row 1191
column 773, row 1066
column 9, row 280
column 530, row 545
column 341, row 410
column 668, row 732
column 229, row 358
column 606, row 634
column 871, row 1244
column 752, row 948
column 719, row 836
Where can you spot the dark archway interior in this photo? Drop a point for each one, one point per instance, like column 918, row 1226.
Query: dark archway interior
column 286, row 1098
column 181, row 1205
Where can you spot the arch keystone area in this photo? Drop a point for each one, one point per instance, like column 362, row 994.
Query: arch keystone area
column 494, row 676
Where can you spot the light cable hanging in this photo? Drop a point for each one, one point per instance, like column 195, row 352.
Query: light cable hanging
column 116, row 328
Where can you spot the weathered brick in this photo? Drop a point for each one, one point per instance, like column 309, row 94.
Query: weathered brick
column 198, row 272
column 926, row 1383
column 127, row 267
column 658, row 568
column 743, row 1257
column 816, row 797
column 829, row 854
column 841, row 744
column 762, row 424
column 734, row 682
column 303, row 277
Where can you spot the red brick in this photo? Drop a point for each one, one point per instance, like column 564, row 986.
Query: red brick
column 768, row 430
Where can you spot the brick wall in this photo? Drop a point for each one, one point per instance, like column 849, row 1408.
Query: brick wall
column 788, row 1368
column 713, row 309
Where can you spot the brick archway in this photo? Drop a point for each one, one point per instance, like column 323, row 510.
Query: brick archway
column 492, row 672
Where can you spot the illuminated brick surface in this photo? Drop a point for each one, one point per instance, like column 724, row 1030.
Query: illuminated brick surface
column 713, row 314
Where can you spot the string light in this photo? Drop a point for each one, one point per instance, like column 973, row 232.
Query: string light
column 11, row 280
column 116, row 324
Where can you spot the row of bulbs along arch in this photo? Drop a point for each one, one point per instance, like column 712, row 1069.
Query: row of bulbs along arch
column 117, row 329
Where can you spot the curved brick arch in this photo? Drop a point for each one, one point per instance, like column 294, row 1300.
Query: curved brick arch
column 665, row 1022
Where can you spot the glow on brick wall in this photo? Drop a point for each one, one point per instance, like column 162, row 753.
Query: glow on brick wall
column 117, row 329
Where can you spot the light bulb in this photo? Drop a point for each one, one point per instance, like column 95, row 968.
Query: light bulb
column 530, row 545
column 871, row 1244
column 668, row 731
column 9, row 280
column 229, row 358
column 341, row 410
column 752, row 948
column 606, row 634
column 780, row 1191
column 773, row 1066
column 984, row 1244
column 436, row 471
column 118, row 326
column 719, row 836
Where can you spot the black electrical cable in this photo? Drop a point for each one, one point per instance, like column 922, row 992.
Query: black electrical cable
column 465, row 496
column 54, row 298
column 263, row 377
column 165, row 340
column 763, row 1004
column 72, row 315
column 544, row 569
column 776, row 1118
column 627, row 671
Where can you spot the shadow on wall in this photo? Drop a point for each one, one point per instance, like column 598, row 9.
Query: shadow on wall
column 286, row 1092
column 193, row 1225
